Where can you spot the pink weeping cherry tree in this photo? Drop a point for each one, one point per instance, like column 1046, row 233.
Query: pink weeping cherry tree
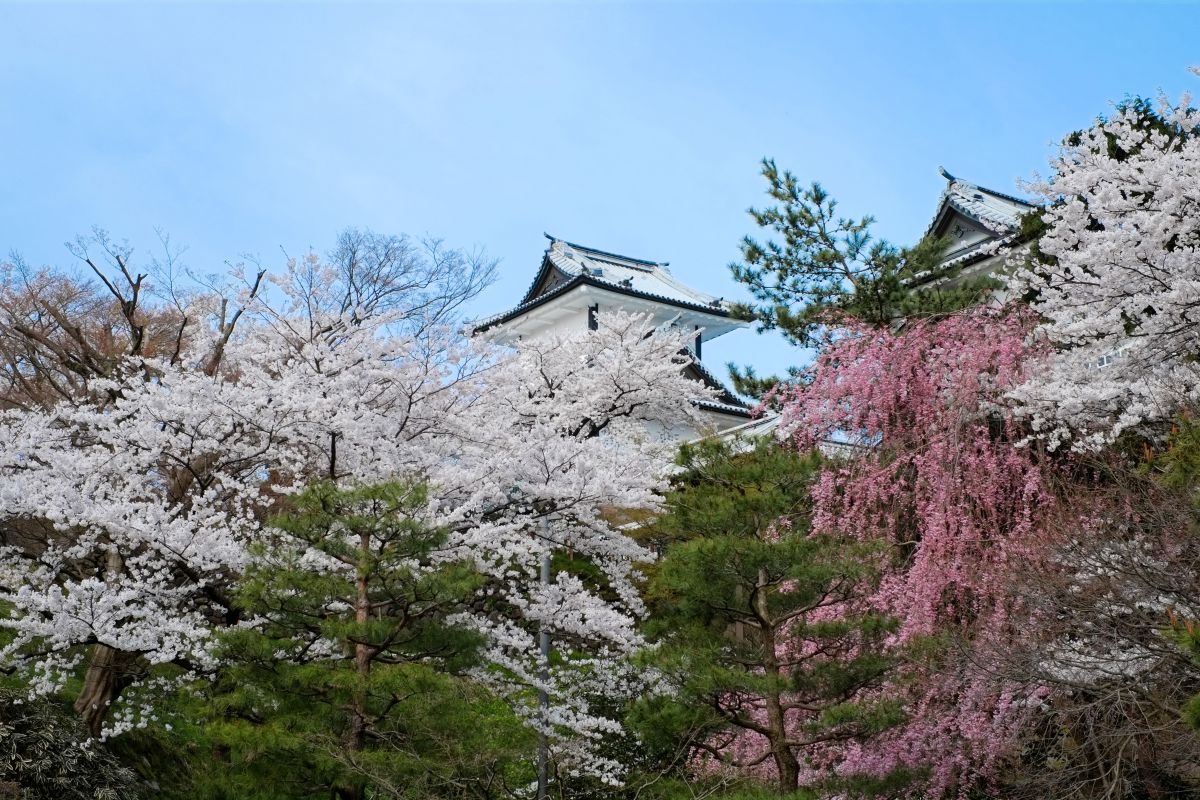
column 935, row 466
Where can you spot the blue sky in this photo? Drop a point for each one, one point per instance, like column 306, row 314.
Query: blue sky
column 632, row 127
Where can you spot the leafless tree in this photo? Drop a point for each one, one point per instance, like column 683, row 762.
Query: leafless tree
column 1125, row 561
column 424, row 282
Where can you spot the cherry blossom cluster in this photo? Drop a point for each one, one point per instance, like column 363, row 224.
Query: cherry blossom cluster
column 1119, row 285
column 144, row 494
column 937, row 471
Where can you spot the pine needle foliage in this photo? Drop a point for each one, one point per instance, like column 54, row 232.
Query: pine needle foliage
column 759, row 624
column 352, row 684
column 815, row 266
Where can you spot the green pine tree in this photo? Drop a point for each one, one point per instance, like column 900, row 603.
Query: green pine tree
column 815, row 264
column 759, row 623
column 353, row 685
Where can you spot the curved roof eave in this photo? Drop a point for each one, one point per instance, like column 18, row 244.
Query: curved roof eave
column 599, row 283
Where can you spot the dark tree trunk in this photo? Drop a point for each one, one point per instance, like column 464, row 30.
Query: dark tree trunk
column 107, row 674
column 781, row 752
column 108, row 670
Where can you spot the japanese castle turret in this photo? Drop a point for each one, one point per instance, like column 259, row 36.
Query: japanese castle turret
column 983, row 227
column 574, row 283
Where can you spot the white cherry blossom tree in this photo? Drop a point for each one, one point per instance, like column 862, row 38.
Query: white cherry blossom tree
column 1118, row 283
column 567, row 441
column 132, row 489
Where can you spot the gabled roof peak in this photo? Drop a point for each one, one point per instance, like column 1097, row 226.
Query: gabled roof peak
column 975, row 207
column 997, row 211
column 566, row 265
column 625, row 261
column 651, row 279
column 973, row 191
